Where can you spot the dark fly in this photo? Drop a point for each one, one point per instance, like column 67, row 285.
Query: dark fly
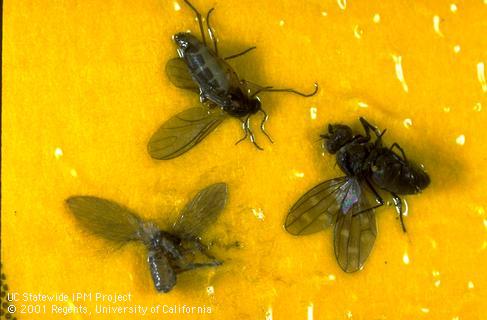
column 348, row 202
column 169, row 252
column 202, row 70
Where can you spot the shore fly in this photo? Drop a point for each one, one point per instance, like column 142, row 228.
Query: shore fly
column 202, row 70
column 169, row 252
column 348, row 202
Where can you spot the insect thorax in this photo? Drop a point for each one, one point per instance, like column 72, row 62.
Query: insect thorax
column 354, row 159
column 240, row 105
column 166, row 242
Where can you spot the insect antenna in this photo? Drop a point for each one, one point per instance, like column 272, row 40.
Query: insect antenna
column 319, row 139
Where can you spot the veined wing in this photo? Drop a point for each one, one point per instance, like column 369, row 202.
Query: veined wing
column 182, row 132
column 105, row 218
column 178, row 73
column 201, row 211
column 355, row 229
column 318, row 207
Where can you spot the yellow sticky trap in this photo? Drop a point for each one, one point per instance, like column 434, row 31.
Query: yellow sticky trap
column 399, row 72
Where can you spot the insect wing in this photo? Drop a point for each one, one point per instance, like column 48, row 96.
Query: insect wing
column 182, row 132
column 234, row 81
column 355, row 229
column 318, row 207
column 105, row 218
column 162, row 273
column 201, row 211
column 178, row 73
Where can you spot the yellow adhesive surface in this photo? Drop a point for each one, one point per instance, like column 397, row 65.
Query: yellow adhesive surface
column 84, row 89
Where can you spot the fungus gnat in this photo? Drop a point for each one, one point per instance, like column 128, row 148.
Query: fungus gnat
column 345, row 202
column 200, row 69
column 169, row 252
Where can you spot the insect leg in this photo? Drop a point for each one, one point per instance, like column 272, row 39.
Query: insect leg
column 191, row 266
column 220, row 244
column 244, row 127
column 271, row 89
column 400, row 149
column 262, row 125
column 398, row 204
column 240, row 53
column 252, row 137
column 378, row 198
column 259, row 90
column 367, row 127
column 210, row 31
column 200, row 22
column 203, row 249
column 170, row 247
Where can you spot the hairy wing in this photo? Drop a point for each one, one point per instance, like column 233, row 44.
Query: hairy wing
column 318, row 207
column 163, row 275
column 182, row 132
column 201, row 211
column 178, row 73
column 355, row 230
column 105, row 218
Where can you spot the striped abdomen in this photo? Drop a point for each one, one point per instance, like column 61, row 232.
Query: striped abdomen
column 212, row 74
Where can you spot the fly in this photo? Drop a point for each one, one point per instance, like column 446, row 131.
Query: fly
column 169, row 252
column 202, row 70
column 345, row 202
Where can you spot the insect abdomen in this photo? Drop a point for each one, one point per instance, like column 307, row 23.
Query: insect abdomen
column 395, row 175
column 163, row 275
column 207, row 71
column 210, row 72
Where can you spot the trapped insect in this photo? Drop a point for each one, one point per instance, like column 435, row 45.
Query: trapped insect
column 169, row 252
column 202, row 70
column 345, row 202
